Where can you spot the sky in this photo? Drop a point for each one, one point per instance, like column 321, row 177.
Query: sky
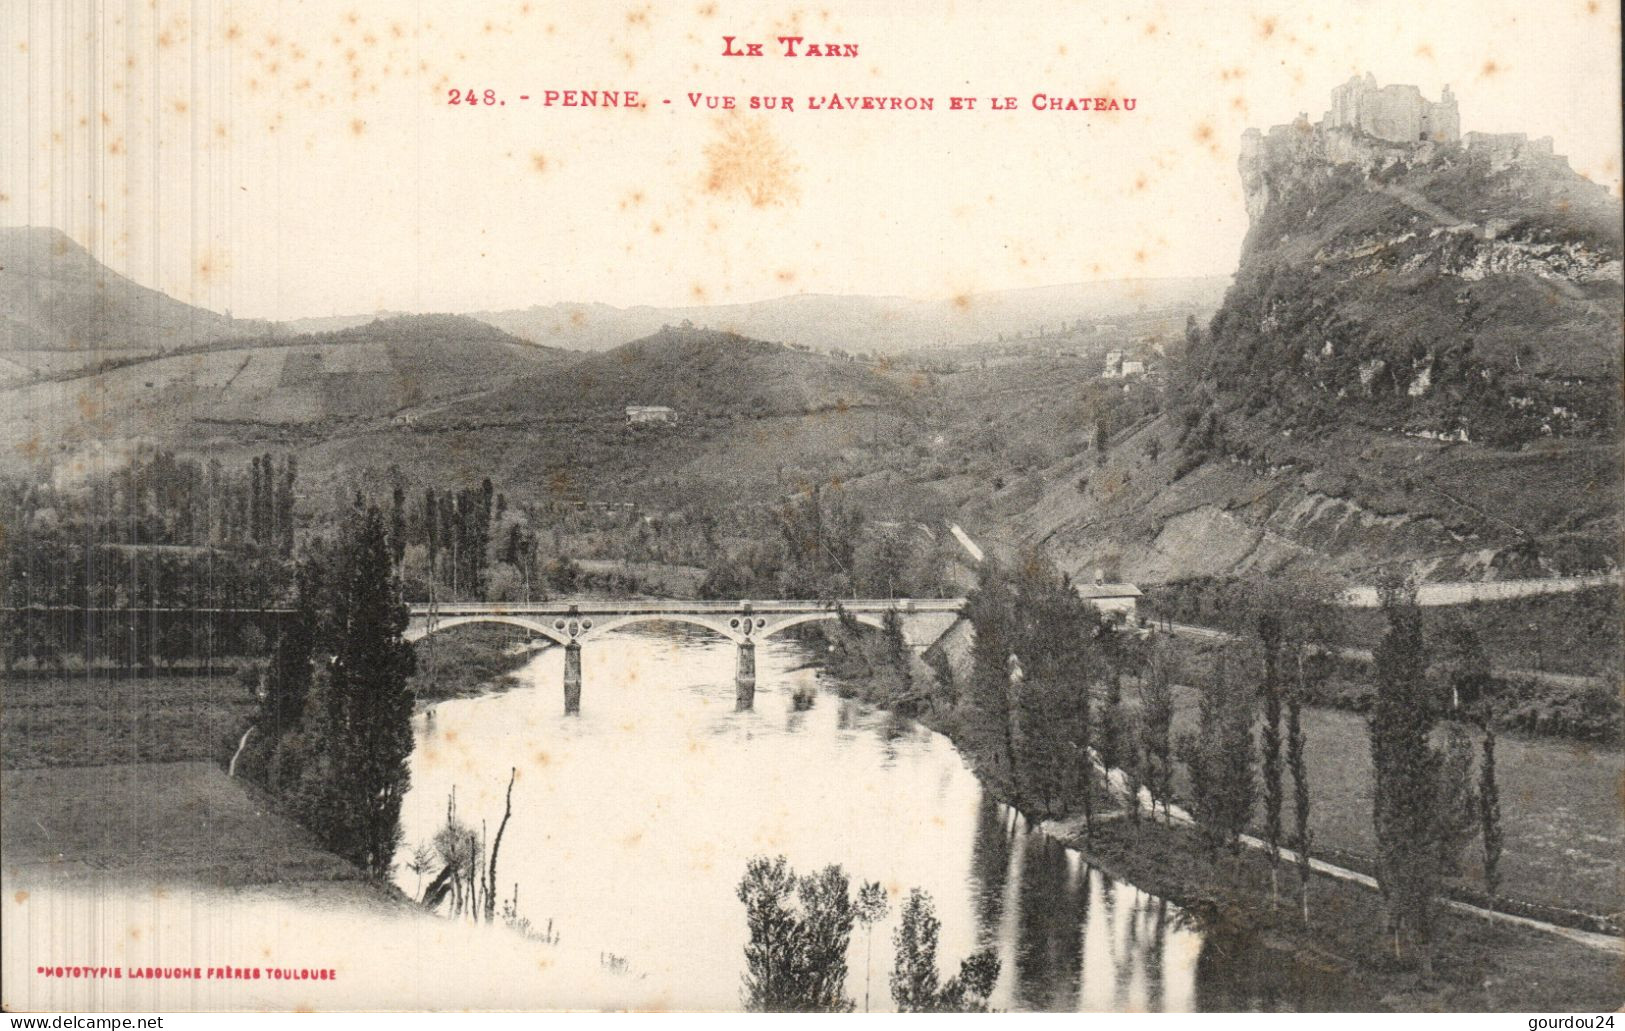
column 289, row 158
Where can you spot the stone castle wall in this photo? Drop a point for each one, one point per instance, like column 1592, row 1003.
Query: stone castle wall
column 1399, row 114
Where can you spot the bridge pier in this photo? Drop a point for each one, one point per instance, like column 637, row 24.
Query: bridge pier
column 745, row 677
column 572, row 678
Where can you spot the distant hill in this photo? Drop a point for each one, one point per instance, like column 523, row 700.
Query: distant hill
column 1419, row 366
column 282, row 387
column 696, row 372
column 754, row 421
column 885, row 325
column 59, row 306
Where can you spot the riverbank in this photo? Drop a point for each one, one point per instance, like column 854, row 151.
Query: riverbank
column 1479, row 965
column 468, row 662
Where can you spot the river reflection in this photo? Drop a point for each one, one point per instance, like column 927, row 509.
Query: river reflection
column 633, row 822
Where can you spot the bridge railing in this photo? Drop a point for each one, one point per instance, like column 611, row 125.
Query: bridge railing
column 613, row 607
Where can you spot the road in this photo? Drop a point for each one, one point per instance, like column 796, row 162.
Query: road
column 1569, row 680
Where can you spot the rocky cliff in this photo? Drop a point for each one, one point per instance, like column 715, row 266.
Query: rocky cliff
column 1418, row 363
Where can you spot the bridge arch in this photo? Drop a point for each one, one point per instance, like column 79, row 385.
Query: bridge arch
column 418, row 629
column 776, row 626
column 717, row 625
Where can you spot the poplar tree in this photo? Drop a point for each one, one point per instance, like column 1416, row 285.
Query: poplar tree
column 1156, row 726
column 1219, row 757
column 1406, row 774
column 1269, row 689
column 1489, row 807
column 369, row 702
column 1300, row 789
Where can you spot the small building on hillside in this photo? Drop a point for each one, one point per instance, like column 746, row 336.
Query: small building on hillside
column 1133, row 369
column 650, row 413
column 1111, row 599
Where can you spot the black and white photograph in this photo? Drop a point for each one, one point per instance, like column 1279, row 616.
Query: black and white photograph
column 945, row 506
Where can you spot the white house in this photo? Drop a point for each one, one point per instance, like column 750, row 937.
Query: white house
column 650, row 413
column 1111, row 599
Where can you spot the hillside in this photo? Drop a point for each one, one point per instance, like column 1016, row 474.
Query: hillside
column 1418, row 365
column 60, row 308
column 270, row 388
column 881, row 325
column 752, row 420
column 696, row 371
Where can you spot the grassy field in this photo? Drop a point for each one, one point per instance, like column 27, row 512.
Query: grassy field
column 98, row 720
column 173, row 821
column 1559, row 804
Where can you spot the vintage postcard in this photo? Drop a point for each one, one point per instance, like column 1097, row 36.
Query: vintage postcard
column 938, row 505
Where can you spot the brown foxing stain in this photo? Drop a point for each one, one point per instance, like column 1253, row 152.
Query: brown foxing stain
column 20, row 897
column 538, row 162
column 1266, row 27
column 1491, row 69
column 746, row 160
column 135, row 933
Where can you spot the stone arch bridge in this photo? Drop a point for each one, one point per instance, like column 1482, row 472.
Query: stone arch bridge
column 571, row 624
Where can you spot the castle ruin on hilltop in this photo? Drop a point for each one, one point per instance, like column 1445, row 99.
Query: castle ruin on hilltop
column 1374, row 127
column 1399, row 114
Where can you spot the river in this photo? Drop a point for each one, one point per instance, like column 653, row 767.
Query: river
column 632, row 824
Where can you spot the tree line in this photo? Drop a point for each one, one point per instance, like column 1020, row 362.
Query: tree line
column 1049, row 718
column 158, row 533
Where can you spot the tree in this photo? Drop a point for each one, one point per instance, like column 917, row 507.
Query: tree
column 1220, row 757
column 914, row 970
column 1156, row 725
column 1420, row 792
column 795, row 960
column 397, row 525
column 871, row 908
column 914, row 984
column 1300, row 789
column 489, row 884
column 1489, row 808
column 1466, row 664
column 368, row 728
column 1269, row 742
column 290, row 476
column 990, row 609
